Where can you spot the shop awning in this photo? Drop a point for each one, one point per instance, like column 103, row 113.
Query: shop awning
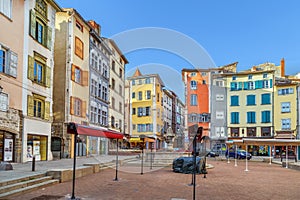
column 139, row 140
column 80, row 129
column 256, row 141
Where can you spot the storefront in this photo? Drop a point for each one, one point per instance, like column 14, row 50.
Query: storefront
column 37, row 146
column 7, row 143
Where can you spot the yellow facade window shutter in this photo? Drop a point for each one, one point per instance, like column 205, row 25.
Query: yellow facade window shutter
column 73, row 72
column 47, row 110
column 85, row 78
column 72, row 105
column 83, row 108
column 30, row 74
column 49, row 37
column 30, row 105
column 32, row 29
column 48, row 77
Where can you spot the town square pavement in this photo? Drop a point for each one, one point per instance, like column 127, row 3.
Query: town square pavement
column 224, row 181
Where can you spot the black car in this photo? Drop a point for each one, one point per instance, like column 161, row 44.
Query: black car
column 212, row 154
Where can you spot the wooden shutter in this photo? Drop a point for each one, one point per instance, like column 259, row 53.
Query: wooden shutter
column 73, row 72
column 32, row 28
column 30, row 74
column 85, row 78
column 83, row 108
column 47, row 110
column 48, row 77
column 30, row 106
column 49, row 37
column 72, row 105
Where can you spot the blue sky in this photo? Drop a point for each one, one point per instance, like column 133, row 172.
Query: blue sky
column 249, row 32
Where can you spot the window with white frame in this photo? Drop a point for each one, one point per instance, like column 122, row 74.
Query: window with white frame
column 219, row 115
column 6, row 7
column 8, row 61
column 3, row 102
column 148, row 94
column 194, row 100
column 285, row 107
column 286, row 124
column 193, row 85
column 219, row 97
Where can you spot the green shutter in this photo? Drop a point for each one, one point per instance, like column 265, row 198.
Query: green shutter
column 240, row 85
column 47, row 110
column 246, row 85
column 30, row 74
column 30, row 106
column 48, row 76
column 32, row 28
column 271, row 83
column 49, row 37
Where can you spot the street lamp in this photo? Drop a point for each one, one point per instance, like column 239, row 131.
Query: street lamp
column 142, row 137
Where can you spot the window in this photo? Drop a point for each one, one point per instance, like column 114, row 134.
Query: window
column 94, row 89
column 120, row 73
column 8, row 61
column 104, row 117
column 113, row 65
column 79, row 26
column 104, row 93
column 148, row 94
column 194, row 100
column 145, row 127
column 219, row 97
column 133, row 95
column 6, row 7
column 133, row 111
column 251, row 117
column 265, row 83
column 203, row 73
column 219, row 115
column 204, row 82
column 120, row 107
column 140, row 81
column 265, row 75
column 219, row 83
column 249, row 85
column 285, row 91
column 133, row 82
column 265, row 99
column 285, row 124
column 104, row 70
column 285, row 107
column 234, row 117
column 147, row 81
column 250, row 100
column 113, row 83
column 120, row 90
column 38, row 107
column 234, row 132
column 144, row 111
column 234, row 78
column 113, row 103
column 79, row 76
column 99, row 92
column 193, row 74
column 250, row 77
column 133, row 126
column 234, row 100
column 140, row 95
column 38, row 25
column 233, row 86
column 38, row 72
column 4, row 103
column 266, row 116
column 78, row 48
column 193, row 85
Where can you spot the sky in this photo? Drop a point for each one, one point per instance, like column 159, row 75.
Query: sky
column 220, row 32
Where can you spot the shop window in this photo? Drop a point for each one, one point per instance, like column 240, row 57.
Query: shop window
column 6, row 147
column 235, row 132
column 37, row 146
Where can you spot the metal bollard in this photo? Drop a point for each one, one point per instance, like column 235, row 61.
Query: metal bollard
column 33, row 163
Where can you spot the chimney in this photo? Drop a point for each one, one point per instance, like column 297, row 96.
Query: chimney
column 282, row 66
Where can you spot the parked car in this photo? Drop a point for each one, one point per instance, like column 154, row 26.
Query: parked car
column 212, row 154
column 291, row 155
column 239, row 154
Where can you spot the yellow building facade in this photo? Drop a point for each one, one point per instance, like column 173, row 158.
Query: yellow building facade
column 146, row 109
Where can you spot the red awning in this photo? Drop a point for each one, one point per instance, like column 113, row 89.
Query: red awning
column 93, row 131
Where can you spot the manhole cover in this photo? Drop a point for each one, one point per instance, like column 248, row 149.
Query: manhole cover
column 47, row 197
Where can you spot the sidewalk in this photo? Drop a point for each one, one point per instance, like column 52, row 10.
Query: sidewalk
column 41, row 167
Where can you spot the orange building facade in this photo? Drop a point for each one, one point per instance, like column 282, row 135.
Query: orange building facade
column 196, row 83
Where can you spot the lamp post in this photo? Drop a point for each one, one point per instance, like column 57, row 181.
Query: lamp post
column 142, row 137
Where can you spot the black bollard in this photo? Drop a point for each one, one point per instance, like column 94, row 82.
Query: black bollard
column 33, row 163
